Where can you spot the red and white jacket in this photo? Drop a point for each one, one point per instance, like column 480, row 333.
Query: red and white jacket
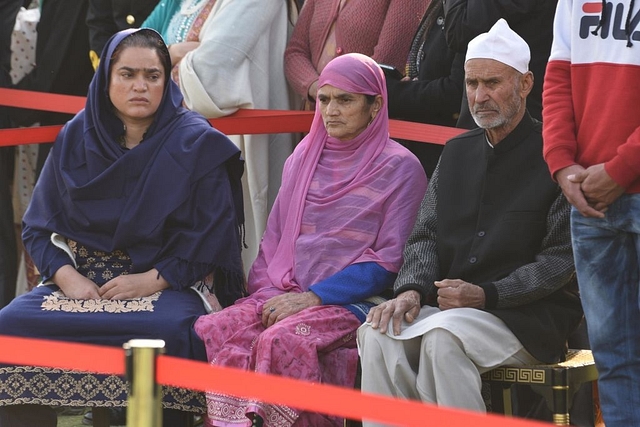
column 591, row 97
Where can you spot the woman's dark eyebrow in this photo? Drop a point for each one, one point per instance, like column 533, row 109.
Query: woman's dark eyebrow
column 146, row 70
column 342, row 96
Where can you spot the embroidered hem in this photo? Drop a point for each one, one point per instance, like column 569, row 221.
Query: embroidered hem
column 235, row 410
column 61, row 387
column 57, row 301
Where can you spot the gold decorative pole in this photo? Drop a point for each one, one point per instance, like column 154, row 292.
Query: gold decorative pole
column 145, row 395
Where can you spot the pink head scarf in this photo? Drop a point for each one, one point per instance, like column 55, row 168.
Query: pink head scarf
column 339, row 202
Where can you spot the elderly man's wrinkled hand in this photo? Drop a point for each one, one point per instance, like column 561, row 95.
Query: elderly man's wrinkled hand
column 456, row 293
column 405, row 306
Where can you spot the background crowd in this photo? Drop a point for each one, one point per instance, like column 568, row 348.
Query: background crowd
column 226, row 55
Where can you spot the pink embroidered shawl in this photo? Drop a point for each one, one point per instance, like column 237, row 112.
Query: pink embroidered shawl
column 340, row 203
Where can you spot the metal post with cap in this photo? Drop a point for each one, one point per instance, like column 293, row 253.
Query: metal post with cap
column 144, row 403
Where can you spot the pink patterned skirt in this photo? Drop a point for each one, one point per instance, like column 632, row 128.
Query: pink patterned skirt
column 315, row 345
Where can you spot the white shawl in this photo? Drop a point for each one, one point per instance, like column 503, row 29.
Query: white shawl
column 239, row 64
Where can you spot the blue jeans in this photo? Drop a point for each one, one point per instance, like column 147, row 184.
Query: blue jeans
column 607, row 257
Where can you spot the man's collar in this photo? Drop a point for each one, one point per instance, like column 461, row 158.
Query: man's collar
column 517, row 134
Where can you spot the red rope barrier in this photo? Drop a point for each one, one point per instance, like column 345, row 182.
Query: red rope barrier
column 338, row 401
column 57, row 354
column 421, row 132
column 41, row 101
column 240, row 123
column 33, row 135
column 200, row 376
column 244, row 122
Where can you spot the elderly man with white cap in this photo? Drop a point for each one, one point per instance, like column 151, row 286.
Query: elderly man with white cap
column 488, row 276
column 531, row 19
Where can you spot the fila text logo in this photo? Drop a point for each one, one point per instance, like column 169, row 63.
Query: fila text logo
column 591, row 17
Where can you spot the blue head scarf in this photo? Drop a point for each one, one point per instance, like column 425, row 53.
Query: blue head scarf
column 174, row 202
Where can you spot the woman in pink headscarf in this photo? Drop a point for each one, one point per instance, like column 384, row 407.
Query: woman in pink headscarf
column 333, row 244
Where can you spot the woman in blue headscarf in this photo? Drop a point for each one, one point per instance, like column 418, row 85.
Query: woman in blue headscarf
column 139, row 200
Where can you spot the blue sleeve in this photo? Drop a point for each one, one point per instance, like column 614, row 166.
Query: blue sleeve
column 353, row 284
column 181, row 273
column 45, row 255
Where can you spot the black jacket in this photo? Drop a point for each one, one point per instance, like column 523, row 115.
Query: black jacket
column 62, row 58
column 107, row 17
column 435, row 96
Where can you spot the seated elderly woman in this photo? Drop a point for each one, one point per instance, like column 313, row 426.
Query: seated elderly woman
column 138, row 200
column 334, row 240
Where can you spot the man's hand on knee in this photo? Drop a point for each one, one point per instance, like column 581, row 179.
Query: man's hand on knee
column 405, row 306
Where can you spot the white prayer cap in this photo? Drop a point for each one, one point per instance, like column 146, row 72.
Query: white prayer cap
column 502, row 44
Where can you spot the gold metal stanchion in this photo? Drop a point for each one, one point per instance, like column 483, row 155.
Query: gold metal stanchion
column 145, row 396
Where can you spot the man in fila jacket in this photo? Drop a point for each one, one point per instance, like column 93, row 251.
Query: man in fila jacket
column 592, row 146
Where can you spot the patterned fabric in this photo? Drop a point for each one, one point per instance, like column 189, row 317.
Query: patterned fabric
column 299, row 346
column 192, row 34
column 100, row 266
column 194, row 31
column 60, row 387
column 57, row 301
column 181, row 21
column 23, row 43
column 168, row 315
